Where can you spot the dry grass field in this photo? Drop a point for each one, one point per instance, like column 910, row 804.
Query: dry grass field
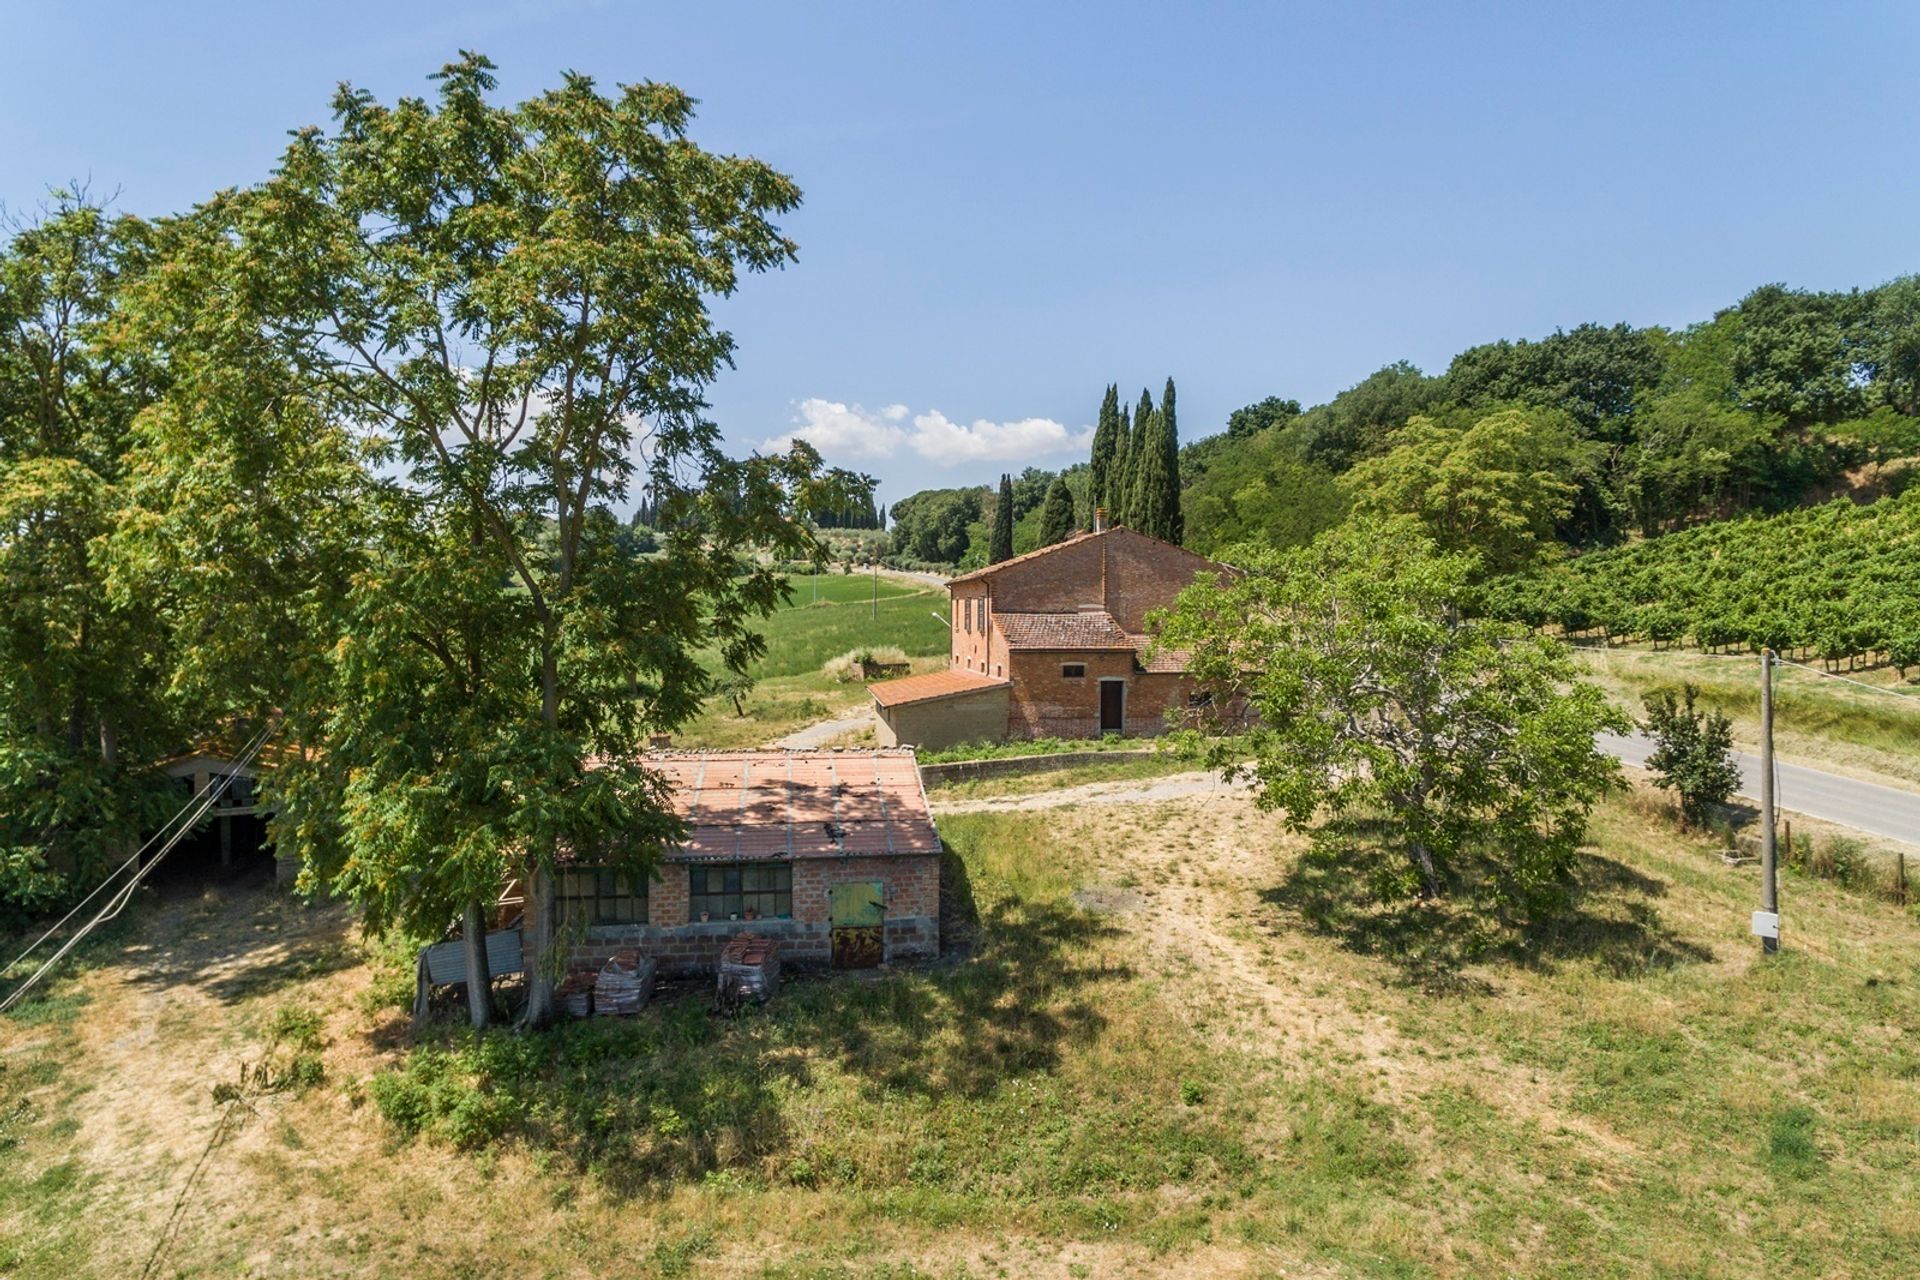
column 1169, row 1042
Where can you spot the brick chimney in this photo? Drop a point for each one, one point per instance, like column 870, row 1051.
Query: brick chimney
column 1099, row 519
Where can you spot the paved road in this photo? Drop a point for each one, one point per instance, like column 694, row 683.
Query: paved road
column 1864, row 806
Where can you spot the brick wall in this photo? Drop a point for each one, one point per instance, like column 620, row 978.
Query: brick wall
column 1046, row 704
column 1144, row 574
column 910, row 885
column 970, row 633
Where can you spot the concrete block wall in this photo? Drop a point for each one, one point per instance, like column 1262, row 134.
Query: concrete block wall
column 944, row 722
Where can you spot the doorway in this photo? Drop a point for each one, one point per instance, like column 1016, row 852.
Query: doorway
column 857, row 916
column 1113, row 706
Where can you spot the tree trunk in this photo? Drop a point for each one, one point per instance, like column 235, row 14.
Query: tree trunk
column 542, row 1007
column 1429, row 877
column 473, row 937
column 109, row 742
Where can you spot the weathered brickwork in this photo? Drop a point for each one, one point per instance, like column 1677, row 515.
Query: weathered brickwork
column 975, row 647
column 910, row 886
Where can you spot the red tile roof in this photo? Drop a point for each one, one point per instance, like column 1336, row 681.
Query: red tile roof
column 1086, row 629
column 1163, row 660
column 935, row 684
column 774, row 805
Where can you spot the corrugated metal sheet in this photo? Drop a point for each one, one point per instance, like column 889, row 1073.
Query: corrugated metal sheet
column 447, row 961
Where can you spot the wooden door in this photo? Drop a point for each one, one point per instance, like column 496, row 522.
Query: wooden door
column 1113, row 706
column 857, row 919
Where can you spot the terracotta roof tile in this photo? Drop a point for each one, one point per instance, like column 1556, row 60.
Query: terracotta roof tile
column 935, row 684
column 762, row 805
column 1086, row 629
column 1163, row 660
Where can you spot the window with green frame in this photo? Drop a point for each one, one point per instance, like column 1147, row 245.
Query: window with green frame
column 601, row 895
column 729, row 890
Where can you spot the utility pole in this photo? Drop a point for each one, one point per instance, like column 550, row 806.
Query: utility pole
column 1766, row 921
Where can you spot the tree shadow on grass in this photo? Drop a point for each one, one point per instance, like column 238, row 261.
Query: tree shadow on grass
column 240, row 944
column 678, row 1094
column 1609, row 918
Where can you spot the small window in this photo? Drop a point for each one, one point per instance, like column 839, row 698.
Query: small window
column 1202, row 699
column 601, row 895
column 238, row 793
column 1073, row 670
column 729, row 891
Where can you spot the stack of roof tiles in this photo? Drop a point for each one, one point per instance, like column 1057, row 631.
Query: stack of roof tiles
column 749, row 969
column 624, row 983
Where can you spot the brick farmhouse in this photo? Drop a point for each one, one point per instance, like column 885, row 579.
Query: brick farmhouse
column 1053, row 643
column 834, row 853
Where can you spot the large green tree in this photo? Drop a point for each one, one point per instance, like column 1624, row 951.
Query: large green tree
column 81, row 709
column 1494, row 489
column 516, row 298
column 1380, row 708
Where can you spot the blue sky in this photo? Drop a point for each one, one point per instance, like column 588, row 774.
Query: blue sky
column 1009, row 206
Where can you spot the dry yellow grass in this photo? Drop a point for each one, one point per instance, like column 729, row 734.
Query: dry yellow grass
column 1178, row 1048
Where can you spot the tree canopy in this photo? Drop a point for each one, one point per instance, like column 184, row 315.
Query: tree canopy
column 1383, row 714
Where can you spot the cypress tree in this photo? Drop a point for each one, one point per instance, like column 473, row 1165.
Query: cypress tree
column 1001, row 546
column 1056, row 517
column 1137, row 446
column 1107, row 440
column 1157, row 483
column 1117, row 471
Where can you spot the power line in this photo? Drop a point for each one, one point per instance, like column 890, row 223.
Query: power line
column 253, row 746
column 118, row 902
column 1830, row 675
column 1779, row 661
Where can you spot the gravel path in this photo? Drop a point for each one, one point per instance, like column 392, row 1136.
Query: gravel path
column 1174, row 786
column 822, row 732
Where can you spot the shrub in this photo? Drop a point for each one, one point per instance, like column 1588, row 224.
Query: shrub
column 1693, row 753
column 847, row 668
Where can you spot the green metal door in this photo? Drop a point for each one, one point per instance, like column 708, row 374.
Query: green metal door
column 857, row 915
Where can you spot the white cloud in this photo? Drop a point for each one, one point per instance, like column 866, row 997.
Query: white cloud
column 850, row 433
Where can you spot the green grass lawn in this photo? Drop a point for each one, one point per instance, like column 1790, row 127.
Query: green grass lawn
column 1167, row 1041
column 830, row 614
column 804, row 634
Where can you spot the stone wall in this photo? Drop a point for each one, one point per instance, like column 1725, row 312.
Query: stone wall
column 1015, row 766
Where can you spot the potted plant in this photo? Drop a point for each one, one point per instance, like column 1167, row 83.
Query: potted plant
column 705, row 916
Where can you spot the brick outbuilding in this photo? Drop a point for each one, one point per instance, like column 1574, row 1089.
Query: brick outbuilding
column 832, row 852
column 1060, row 636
